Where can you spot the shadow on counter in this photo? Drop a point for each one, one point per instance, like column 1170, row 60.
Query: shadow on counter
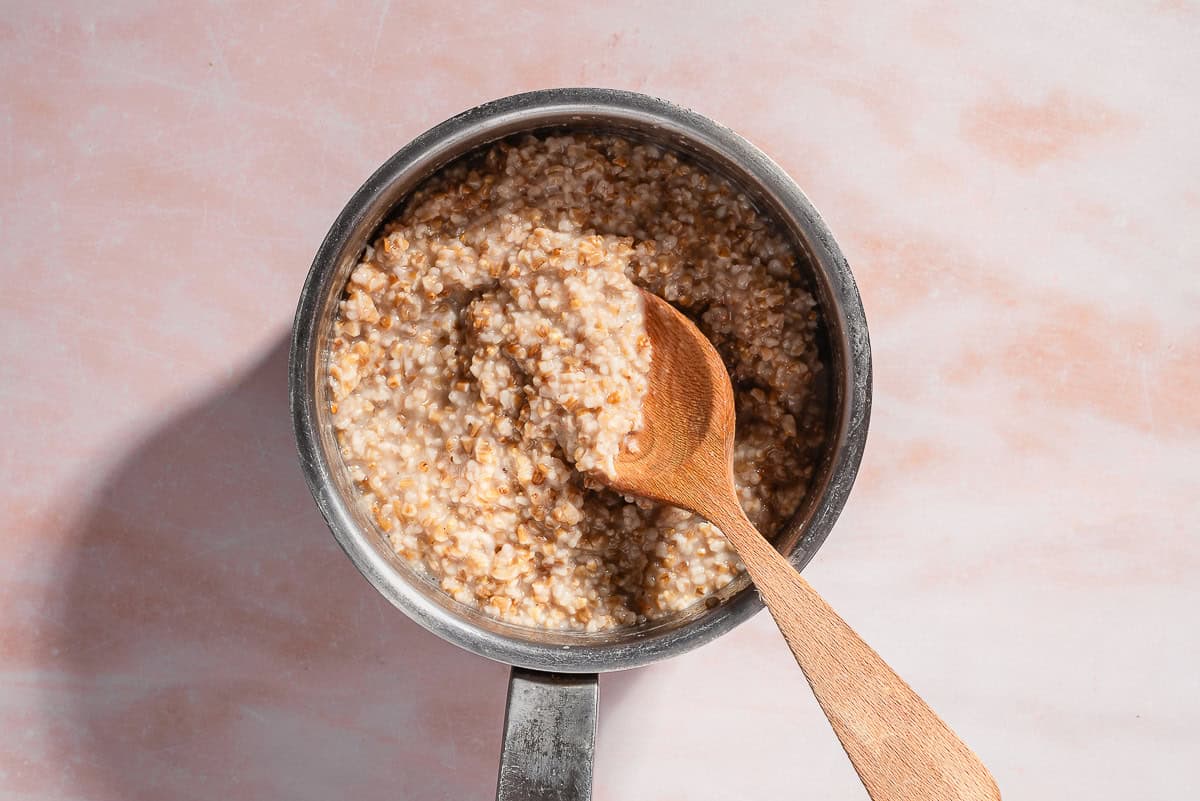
column 219, row 645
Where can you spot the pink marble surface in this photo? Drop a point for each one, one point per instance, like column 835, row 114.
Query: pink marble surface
column 1016, row 189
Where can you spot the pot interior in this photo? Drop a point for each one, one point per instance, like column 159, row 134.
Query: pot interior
column 822, row 271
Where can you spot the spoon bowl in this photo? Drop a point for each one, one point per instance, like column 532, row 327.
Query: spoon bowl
column 684, row 451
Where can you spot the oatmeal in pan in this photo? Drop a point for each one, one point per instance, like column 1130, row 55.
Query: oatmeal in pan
column 490, row 358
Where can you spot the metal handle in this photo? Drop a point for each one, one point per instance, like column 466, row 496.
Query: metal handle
column 549, row 737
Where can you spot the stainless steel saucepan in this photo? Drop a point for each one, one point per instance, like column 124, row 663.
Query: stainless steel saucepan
column 552, row 699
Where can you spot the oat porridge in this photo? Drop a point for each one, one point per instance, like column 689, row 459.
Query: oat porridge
column 489, row 361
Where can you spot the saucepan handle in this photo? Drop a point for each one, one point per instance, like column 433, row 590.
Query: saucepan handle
column 549, row 737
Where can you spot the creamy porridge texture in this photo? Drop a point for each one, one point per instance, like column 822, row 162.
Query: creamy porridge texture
column 566, row 317
column 489, row 361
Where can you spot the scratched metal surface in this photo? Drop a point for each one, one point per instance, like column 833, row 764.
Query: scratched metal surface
column 639, row 115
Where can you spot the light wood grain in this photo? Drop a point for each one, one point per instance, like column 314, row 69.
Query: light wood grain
column 900, row 748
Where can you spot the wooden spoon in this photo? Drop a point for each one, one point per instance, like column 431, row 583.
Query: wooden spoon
column 901, row 750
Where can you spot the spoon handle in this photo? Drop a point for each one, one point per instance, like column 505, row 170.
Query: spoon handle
column 900, row 748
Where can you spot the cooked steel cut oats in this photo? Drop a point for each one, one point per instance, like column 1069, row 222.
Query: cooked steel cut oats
column 566, row 318
column 489, row 361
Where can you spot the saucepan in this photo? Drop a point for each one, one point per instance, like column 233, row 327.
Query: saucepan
column 552, row 700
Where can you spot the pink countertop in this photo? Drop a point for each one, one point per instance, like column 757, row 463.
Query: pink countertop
column 1017, row 190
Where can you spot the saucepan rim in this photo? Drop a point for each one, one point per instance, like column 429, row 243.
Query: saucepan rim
column 639, row 116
